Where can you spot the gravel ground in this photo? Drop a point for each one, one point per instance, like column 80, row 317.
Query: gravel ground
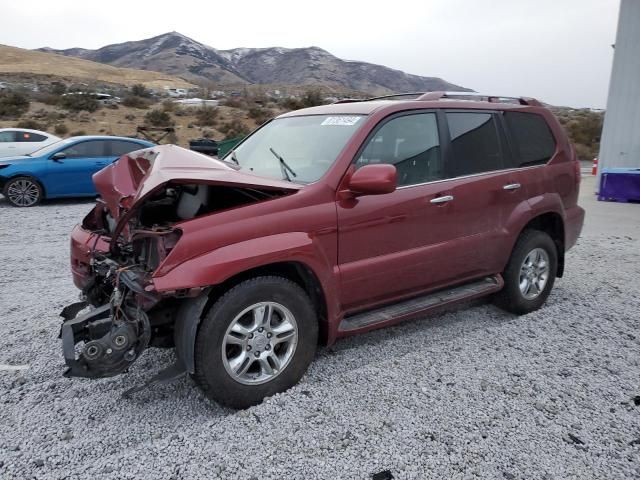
column 475, row 393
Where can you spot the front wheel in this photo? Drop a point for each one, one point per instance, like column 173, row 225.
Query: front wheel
column 258, row 339
column 23, row 192
column 530, row 273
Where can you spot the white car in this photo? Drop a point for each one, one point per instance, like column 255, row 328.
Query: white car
column 22, row 141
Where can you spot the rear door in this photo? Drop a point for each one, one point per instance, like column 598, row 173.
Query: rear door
column 71, row 175
column 8, row 144
column 487, row 191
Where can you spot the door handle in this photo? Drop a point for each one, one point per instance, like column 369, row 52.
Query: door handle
column 512, row 186
column 444, row 199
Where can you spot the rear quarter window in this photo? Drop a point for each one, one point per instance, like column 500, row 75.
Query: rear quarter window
column 534, row 143
column 122, row 147
column 29, row 137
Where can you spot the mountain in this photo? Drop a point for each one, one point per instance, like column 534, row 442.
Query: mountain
column 178, row 55
column 18, row 61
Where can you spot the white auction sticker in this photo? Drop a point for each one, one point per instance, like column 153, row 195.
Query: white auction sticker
column 342, row 120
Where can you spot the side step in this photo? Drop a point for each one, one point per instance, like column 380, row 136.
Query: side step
column 416, row 305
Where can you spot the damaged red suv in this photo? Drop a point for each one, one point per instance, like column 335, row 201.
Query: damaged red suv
column 324, row 222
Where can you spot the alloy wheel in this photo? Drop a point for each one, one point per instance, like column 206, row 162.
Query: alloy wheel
column 23, row 192
column 534, row 273
column 259, row 343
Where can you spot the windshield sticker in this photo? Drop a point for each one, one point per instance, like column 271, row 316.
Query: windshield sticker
column 341, row 121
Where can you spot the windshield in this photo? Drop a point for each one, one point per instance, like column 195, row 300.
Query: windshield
column 299, row 149
column 50, row 148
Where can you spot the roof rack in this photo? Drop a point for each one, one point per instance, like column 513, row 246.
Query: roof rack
column 431, row 96
column 480, row 97
column 382, row 97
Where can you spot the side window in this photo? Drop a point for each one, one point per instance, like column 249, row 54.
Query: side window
column 411, row 143
column 120, row 147
column 474, row 142
column 29, row 137
column 534, row 142
column 91, row 148
column 9, row 136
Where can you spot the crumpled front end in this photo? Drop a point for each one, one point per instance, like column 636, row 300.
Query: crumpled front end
column 123, row 242
column 108, row 339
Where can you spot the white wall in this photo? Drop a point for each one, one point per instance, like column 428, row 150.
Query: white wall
column 620, row 144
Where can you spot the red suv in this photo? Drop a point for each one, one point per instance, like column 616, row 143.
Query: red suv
column 324, row 222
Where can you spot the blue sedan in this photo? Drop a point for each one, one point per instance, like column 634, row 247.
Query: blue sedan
column 62, row 169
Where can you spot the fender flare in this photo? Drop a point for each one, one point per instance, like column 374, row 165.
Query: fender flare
column 293, row 247
column 186, row 326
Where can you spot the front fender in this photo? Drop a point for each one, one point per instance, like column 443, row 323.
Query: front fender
column 218, row 265
column 215, row 267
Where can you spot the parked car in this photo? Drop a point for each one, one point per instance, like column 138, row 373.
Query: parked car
column 62, row 169
column 23, row 141
column 325, row 222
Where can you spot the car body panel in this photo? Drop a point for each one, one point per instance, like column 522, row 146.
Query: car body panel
column 24, row 141
column 365, row 251
column 64, row 177
column 134, row 176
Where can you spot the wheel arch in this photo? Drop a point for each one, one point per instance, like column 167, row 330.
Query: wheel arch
column 552, row 224
column 191, row 312
column 5, row 180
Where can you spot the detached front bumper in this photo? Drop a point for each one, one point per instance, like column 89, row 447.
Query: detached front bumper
column 108, row 339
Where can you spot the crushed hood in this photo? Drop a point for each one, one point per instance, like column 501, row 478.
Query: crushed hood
column 124, row 183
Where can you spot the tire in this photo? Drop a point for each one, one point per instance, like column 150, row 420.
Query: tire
column 230, row 336
column 515, row 297
column 23, row 192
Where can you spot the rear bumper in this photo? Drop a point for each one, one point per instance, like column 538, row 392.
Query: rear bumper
column 83, row 245
column 574, row 220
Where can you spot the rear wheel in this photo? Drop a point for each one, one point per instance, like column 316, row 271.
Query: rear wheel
column 23, row 192
column 257, row 340
column 530, row 273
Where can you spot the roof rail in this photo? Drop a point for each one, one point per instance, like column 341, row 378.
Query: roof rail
column 382, row 97
column 430, row 96
column 481, row 97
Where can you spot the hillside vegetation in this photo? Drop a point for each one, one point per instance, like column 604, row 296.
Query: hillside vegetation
column 584, row 128
column 20, row 61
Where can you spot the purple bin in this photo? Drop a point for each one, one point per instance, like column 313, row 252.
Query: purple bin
column 620, row 185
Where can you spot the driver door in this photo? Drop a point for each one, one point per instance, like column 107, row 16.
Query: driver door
column 69, row 170
column 389, row 244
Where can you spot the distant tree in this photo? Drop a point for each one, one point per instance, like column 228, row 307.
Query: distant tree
column 134, row 101
column 57, row 88
column 139, row 90
column 31, row 124
column 259, row 114
column 207, row 116
column 81, row 101
column 312, row 98
column 60, row 129
column 158, row 118
column 13, row 104
column 234, row 128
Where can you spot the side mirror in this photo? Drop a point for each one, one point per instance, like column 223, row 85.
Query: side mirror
column 374, row 180
column 58, row 156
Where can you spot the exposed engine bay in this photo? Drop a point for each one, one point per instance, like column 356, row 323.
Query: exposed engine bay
column 127, row 315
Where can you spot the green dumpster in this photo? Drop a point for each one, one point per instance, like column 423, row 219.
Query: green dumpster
column 225, row 145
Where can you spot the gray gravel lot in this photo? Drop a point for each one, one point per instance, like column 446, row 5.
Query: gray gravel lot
column 474, row 393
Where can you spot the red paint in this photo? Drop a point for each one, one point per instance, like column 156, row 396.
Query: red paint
column 364, row 250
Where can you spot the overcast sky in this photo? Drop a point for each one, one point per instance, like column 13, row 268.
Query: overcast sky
column 556, row 50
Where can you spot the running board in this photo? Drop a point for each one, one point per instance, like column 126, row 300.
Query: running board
column 416, row 305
